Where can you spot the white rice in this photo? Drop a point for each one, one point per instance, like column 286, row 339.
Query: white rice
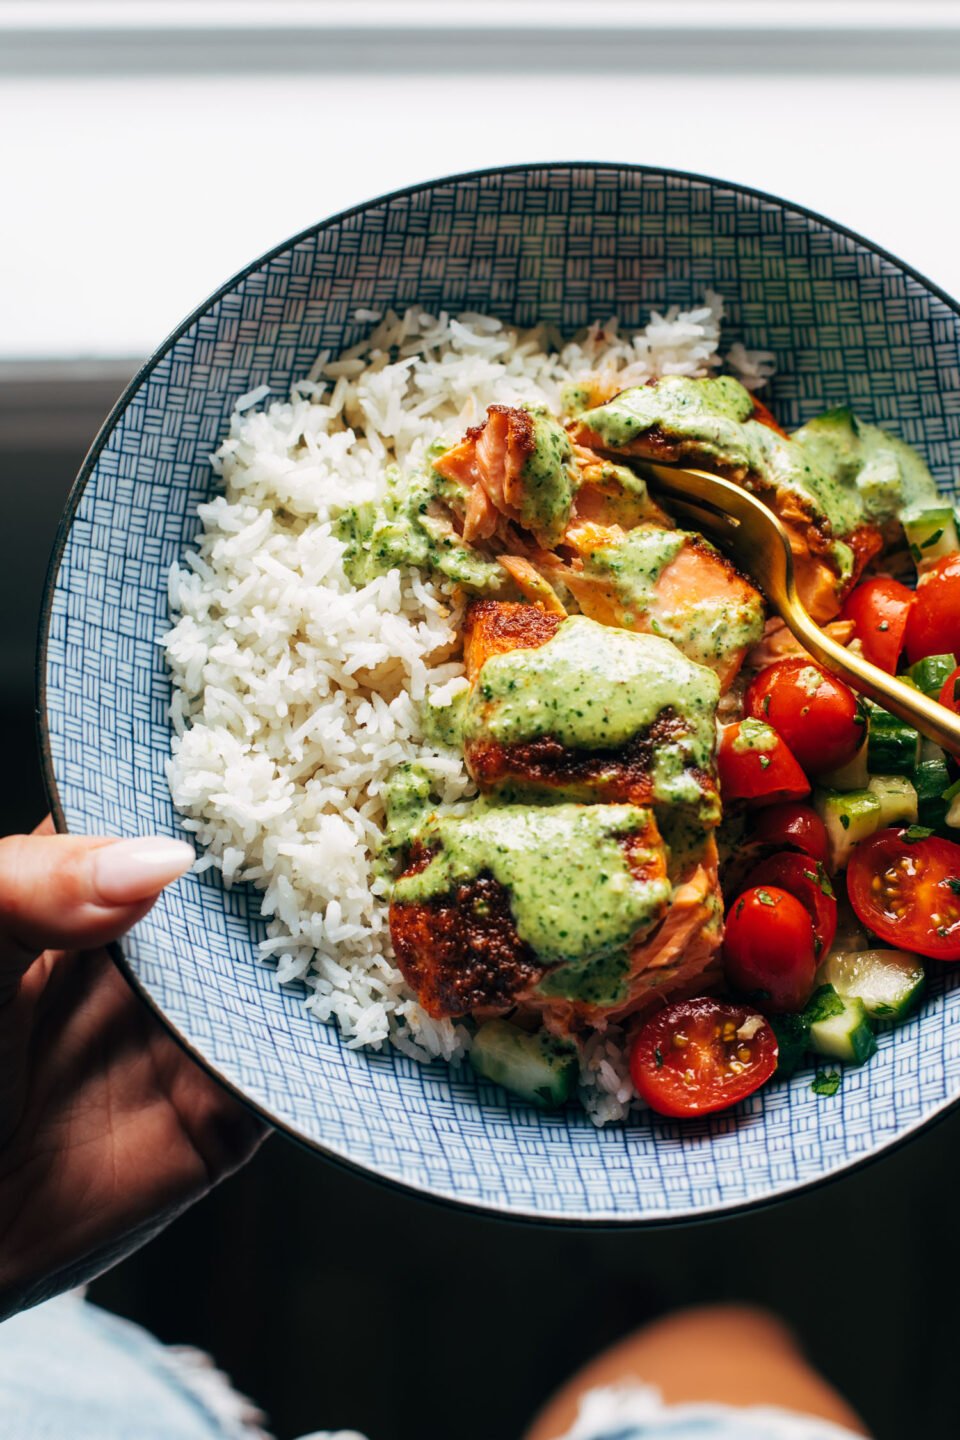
column 295, row 696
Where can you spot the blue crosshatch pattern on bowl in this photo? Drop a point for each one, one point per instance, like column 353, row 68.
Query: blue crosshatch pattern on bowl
column 566, row 245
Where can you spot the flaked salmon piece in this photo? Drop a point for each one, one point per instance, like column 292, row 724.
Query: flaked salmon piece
column 681, row 958
column 461, row 951
column 822, row 582
column 517, row 466
column 532, row 584
column 609, row 494
column 699, row 599
column 779, row 643
column 624, row 773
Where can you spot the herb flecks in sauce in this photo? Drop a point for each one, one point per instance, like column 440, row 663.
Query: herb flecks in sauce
column 407, row 798
column 887, row 475
column 706, row 630
column 409, row 528
column 578, row 899
column 548, row 480
column 843, row 472
column 442, row 715
column 754, row 735
column 595, row 686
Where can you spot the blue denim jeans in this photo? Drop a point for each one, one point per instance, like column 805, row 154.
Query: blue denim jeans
column 70, row 1371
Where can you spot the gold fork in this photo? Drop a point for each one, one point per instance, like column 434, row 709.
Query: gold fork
column 746, row 530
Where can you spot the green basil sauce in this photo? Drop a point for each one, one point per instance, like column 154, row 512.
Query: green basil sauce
column 707, row 630
column 402, row 531
column 754, row 735
column 574, row 898
column 844, row 473
column 594, row 686
column 408, row 800
column 887, row 475
column 549, row 480
column 443, row 724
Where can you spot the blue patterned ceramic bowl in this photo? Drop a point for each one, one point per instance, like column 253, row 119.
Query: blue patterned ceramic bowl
column 563, row 244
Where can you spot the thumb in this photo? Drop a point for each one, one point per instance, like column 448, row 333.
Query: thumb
column 78, row 891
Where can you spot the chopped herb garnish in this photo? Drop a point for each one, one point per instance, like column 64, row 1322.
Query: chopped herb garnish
column 845, row 821
column 937, row 535
column 884, row 626
column 882, row 1009
column 824, row 1004
column 658, row 1056
column 954, row 884
column 765, row 897
column 743, row 900
column 913, row 833
column 764, row 761
column 825, row 1082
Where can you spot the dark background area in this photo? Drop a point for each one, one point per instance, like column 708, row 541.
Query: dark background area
column 335, row 1301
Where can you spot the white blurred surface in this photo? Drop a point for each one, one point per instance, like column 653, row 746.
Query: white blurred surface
column 127, row 200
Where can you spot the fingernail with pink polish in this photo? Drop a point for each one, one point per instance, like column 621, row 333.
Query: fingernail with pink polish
column 132, row 870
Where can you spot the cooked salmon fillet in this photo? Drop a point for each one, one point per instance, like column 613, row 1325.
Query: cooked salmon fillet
column 462, row 955
column 624, row 773
column 517, row 466
column 818, row 582
column 700, row 600
column 681, row 957
column 461, row 951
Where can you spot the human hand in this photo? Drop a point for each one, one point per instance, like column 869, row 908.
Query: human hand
column 108, row 1130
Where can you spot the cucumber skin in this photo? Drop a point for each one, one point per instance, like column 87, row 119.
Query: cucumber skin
column 893, row 748
column 931, row 673
column 861, row 1041
column 793, row 1042
column 875, row 1011
column 500, row 1050
column 839, row 1027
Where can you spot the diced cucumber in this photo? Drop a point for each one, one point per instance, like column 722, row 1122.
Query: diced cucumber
column 793, row 1042
column 537, row 1067
column 889, row 982
column 931, row 674
column 898, row 799
column 932, row 781
column 849, row 818
column 931, row 531
column 839, row 1026
column 893, row 747
column 852, row 776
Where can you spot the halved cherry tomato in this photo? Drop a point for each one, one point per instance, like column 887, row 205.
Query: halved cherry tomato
column 934, row 624
column 807, row 882
column 758, row 767
column 790, row 823
column 768, row 949
column 815, row 714
column 880, row 608
column 950, row 694
column 699, row 1056
column 907, row 892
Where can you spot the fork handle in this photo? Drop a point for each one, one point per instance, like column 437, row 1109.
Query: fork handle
column 933, row 720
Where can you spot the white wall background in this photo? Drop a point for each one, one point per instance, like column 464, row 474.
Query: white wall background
column 147, row 157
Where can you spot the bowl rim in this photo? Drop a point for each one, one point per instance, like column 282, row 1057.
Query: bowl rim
column 478, row 1206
